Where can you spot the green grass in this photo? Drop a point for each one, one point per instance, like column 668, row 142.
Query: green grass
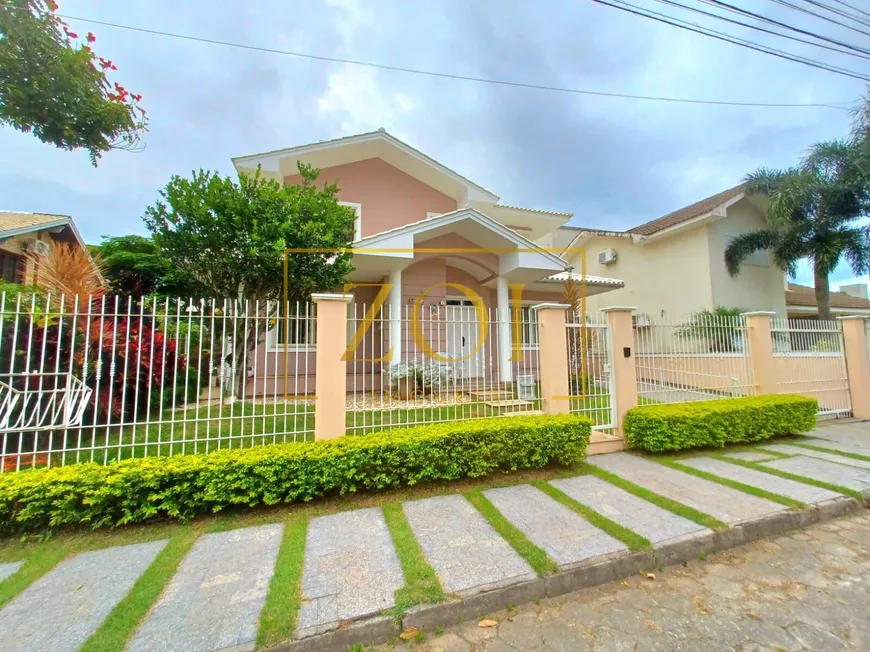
column 537, row 558
column 278, row 618
column 821, row 449
column 631, row 539
column 665, row 503
column 421, row 583
column 43, row 560
column 792, row 476
column 112, row 635
column 673, row 463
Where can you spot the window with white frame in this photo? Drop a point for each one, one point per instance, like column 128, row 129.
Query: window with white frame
column 357, row 222
column 296, row 331
column 528, row 325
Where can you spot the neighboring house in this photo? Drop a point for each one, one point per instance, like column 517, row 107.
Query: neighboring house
column 421, row 225
column 674, row 265
column 26, row 236
column 851, row 300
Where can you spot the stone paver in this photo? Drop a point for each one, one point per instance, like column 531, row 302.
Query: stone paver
column 787, row 449
column 61, row 610
column 805, row 493
column 8, row 569
column 807, row 590
column 839, row 474
column 214, row 599
column 351, row 569
column 751, row 456
column 724, row 503
column 564, row 535
column 844, row 446
column 467, row 554
column 647, row 520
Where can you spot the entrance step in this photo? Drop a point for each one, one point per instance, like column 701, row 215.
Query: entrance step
column 509, row 403
column 491, row 394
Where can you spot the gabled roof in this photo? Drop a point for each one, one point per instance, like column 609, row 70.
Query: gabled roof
column 14, row 223
column 801, row 295
column 690, row 212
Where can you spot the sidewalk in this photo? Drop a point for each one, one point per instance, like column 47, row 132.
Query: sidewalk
column 351, row 568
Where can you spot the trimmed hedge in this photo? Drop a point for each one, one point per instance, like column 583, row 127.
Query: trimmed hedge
column 679, row 426
column 181, row 487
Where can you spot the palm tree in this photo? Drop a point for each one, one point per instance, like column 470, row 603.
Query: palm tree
column 812, row 212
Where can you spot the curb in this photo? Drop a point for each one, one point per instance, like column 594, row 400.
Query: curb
column 372, row 631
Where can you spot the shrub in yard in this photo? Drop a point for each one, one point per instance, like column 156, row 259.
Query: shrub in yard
column 182, row 487
column 679, row 426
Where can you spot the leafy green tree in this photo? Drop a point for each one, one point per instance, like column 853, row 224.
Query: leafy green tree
column 812, row 212
column 720, row 328
column 54, row 86
column 134, row 265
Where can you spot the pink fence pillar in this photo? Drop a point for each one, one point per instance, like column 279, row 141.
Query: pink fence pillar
column 623, row 367
column 329, row 406
column 761, row 350
column 857, row 365
column 553, row 351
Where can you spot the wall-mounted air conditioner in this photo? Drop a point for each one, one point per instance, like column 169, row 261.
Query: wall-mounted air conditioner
column 607, row 257
column 641, row 319
column 37, row 247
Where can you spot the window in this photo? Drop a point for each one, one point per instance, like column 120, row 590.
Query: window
column 297, row 329
column 11, row 267
column 357, row 223
column 528, row 325
column 757, row 259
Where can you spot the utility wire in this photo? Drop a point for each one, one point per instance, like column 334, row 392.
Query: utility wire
column 804, row 10
column 669, row 20
column 762, row 29
column 771, row 21
column 368, row 64
column 839, row 12
column 854, row 8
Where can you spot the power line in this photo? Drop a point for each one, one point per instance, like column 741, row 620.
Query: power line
column 763, row 29
column 804, row 10
column 443, row 75
column 692, row 27
column 839, row 12
column 846, row 4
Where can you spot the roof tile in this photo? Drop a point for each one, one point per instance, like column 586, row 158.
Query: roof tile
column 801, row 295
column 688, row 213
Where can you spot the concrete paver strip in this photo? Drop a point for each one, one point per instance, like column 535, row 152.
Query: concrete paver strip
column 724, row 503
column 351, row 570
column 565, row 536
column 467, row 554
column 805, row 493
column 751, row 456
column 830, row 457
column 63, row 608
column 7, row 570
column 648, row 520
column 215, row 598
column 845, row 476
column 843, row 446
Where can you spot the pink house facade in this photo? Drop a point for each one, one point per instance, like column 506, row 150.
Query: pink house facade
column 438, row 240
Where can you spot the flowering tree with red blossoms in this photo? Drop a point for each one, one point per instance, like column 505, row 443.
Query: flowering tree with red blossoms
column 53, row 84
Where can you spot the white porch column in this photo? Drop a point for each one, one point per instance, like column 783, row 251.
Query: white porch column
column 396, row 316
column 503, row 315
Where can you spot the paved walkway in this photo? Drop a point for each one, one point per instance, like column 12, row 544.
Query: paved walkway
column 352, row 570
column 808, row 590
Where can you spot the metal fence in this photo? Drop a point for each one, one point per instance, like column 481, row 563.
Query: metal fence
column 590, row 369
column 439, row 362
column 102, row 379
column 809, row 360
column 700, row 357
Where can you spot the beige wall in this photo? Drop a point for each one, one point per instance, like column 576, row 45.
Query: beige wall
column 389, row 197
column 755, row 287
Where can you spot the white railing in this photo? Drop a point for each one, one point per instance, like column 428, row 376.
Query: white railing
column 809, row 359
column 147, row 377
column 697, row 358
column 590, row 371
column 439, row 362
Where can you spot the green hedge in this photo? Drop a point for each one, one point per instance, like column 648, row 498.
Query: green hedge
column 679, row 426
column 184, row 486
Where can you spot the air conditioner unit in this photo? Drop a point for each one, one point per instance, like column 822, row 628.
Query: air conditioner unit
column 37, row 247
column 607, row 257
column 641, row 320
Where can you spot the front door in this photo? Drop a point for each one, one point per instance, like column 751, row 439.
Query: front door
column 462, row 339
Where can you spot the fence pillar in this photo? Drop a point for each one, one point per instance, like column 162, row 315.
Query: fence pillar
column 857, row 365
column 331, row 379
column 761, row 350
column 553, row 351
column 623, row 369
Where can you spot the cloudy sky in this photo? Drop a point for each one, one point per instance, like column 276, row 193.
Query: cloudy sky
column 614, row 163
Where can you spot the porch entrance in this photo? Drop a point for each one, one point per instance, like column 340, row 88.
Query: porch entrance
column 462, row 333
